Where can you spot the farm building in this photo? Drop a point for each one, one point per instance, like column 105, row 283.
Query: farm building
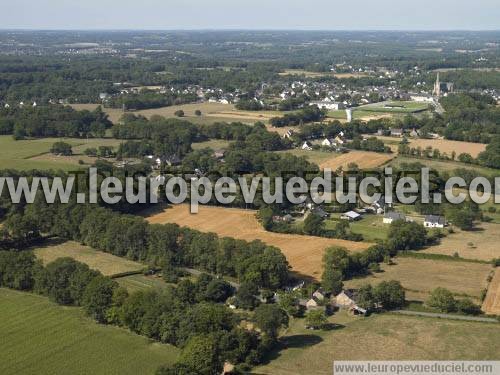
column 434, row 221
column 396, row 132
column 351, row 216
column 392, row 216
column 347, row 300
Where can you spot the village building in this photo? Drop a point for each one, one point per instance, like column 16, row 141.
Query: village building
column 347, row 299
column 434, row 221
column 332, row 106
column 390, row 217
column 396, row 132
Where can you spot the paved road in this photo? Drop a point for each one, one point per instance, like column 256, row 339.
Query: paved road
column 447, row 316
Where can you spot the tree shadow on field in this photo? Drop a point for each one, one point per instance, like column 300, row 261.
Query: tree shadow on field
column 290, row 342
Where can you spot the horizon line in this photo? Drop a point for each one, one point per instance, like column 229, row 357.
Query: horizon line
column 249, row 29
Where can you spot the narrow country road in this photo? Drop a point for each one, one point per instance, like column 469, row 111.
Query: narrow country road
column 446, row 316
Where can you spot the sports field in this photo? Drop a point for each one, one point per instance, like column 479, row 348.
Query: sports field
column 304, row 253
column 380, row 337
column 42, row 338
column 395, row 107
column 420, row 276
column 107, row 264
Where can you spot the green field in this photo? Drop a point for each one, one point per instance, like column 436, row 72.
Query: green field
column 35, row 153
column 381, row 337
column 214, row 144
column 135, row 283
column 39, row 337
column 105, row 263
column 370, row 226
column 445, row 166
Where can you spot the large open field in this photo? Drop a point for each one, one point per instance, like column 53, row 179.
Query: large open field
column 395, row 107
column 35, row 153
column 39, row 337
column 135, row 283
column 491, row 304
column 482, row 243
column 420, row 276
column 309, row 74
column 381, row 337
column 211, row 112
column 447, row 146
column 107, row 264
column 364, row 160
column 304, row 253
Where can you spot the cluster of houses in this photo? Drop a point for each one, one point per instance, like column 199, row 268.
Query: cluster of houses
column 346, row 300
column 336, row 144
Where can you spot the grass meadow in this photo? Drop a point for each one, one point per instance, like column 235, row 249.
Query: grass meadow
column 39, row 337
column 380, row 337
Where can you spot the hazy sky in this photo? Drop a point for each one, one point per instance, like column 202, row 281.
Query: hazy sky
column 250, row 14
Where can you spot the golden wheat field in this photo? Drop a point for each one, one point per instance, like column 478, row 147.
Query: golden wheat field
column 491, row 304
column 304, row 253
column 420, row 276
column 107, row 264
column 364, row 160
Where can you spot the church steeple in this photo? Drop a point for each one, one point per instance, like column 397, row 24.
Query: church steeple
column 437, row 87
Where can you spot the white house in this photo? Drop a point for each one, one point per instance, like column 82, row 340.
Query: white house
column 328, row 143
column 389, row 217
column 434, row 221
column 306, row 146
column 332, row 106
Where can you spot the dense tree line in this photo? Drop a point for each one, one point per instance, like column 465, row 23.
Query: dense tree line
column 304, row 116
column 132, row 237
column 175, row 315
column 53, row 121
column 147, row 99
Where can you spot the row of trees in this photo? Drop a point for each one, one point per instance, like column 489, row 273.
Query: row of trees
column 53, row 121
column 132, row 237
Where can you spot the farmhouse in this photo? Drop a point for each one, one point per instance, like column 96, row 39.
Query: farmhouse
column 389, row 217
column 433, row 221
column 347, row 299
column 396, row 132
column 328, row 143
column 319, row 294
column 313, row 304
column 351, row 216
